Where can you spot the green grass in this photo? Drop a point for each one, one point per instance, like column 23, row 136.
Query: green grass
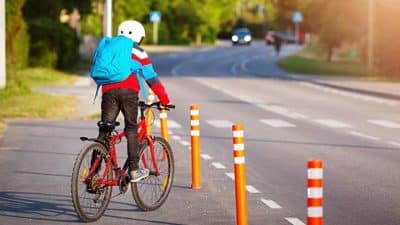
column 308, row 62
column 17, row 100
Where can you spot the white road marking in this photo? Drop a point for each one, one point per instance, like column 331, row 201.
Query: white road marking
column 385, row 123
column 271, row 204
column 171, row 124
column 230, row 175
column 280, row 110
column 332, row 123
column 184, row 143
column 220, row 123
column 252, row 189
column 175, row 137
column 218, row 165
column 394, row 143
column 358, row 134
column 205, row 156
column 294, row 221
column 277, row 123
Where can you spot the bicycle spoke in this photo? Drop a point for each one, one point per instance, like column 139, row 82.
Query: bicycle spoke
column 151, row 192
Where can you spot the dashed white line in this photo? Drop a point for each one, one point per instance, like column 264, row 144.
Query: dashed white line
column 252, row 189
column 385, row 123
column 175, row 137
column 205, row 156
column 218, row 165
column 394, row 143
column 280, row 110
column 220, row 123
column 184, row 143
column 332, row 123
column 362, row 135
column 230, row 175
column 270, row 203
column 277, row 123
column 294, row 221
column 171, row 124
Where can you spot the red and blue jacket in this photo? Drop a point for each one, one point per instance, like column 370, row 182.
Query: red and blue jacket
column 147, row 72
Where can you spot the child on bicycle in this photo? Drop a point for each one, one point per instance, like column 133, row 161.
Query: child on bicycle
column 123, row 96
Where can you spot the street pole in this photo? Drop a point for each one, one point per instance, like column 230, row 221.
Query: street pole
column 155, row 33
column 108, row 18
column 2, row 44
column 371, row 20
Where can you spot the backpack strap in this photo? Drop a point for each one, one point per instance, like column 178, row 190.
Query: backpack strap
column 97, row 92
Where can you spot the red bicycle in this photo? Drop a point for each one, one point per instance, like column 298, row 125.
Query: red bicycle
column 96, row 170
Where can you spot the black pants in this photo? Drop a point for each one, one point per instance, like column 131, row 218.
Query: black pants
column 126, row 101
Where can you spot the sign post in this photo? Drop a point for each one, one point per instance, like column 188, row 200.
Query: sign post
column 108, row 18
column 2, row 44
column 155, row 18
column 297, row 18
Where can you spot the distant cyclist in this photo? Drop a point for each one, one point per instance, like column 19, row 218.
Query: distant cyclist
column 277, row 43
column 123, row 96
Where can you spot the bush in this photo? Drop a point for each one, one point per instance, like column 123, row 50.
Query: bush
column 52, row 44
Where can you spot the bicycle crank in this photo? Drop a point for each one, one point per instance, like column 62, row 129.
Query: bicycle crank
column 123, row 182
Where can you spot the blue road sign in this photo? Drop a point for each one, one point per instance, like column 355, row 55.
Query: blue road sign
column 297, row 17
column 155, row 16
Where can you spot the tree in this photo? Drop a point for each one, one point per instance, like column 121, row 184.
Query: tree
column 52, row 43
column 338, row 24
column 387, row 43
column 17, row 36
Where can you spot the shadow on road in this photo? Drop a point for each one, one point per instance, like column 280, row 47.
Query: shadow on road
column 46, row 208
column 37, row 206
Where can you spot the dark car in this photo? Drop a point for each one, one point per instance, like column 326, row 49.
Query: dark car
column 241, row 36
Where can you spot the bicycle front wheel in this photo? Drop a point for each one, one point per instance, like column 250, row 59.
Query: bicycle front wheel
column 151, row 192
column 90, row 198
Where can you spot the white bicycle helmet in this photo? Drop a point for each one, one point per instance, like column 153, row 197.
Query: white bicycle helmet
column 132, row 29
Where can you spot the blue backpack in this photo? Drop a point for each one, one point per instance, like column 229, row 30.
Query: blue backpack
column 112, row 61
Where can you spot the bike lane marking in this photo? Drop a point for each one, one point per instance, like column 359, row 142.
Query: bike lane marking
column 366, row 136
column 270, row 203
column 220, row 123
column 205, row 156
column 394, row 143
column 218, row 165
column 277, row 123
column 385, row 123
column 294, row 221
column 332, row 123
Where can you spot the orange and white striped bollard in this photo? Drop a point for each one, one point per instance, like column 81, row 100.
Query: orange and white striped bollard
column 314, row 193
column 240, row 175
column 195, row 146
column 149, row 113
column 164, row 124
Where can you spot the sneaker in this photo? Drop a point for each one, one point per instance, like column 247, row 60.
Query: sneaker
column 137, row 175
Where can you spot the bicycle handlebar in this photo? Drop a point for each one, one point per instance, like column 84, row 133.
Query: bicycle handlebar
column 157, row 105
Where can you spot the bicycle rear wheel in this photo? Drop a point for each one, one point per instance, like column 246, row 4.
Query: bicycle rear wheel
column 151, row 192
column 90, row 199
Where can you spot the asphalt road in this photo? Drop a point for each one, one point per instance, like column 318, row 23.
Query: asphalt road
column 286, row 123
